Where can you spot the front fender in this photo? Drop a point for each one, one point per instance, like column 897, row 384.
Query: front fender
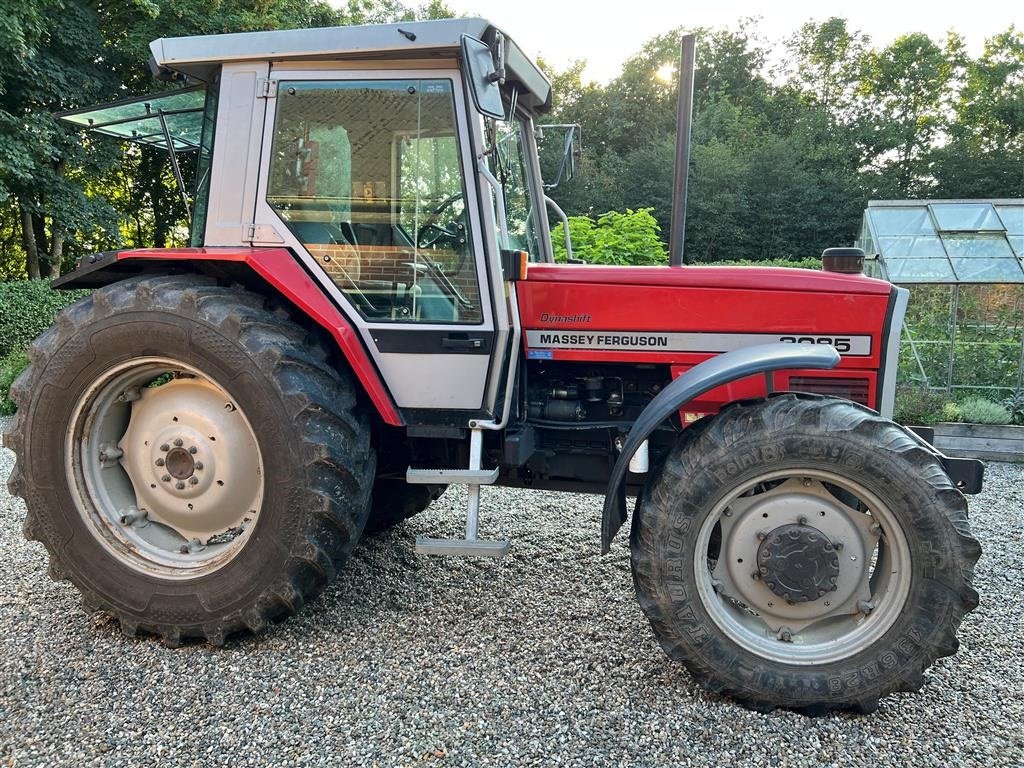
column 712, row 373
column 277, row 267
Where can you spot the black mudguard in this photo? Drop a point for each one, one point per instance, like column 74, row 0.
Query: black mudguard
column 712, row 373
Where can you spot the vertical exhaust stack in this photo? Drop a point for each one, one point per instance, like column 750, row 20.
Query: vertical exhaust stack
column 684, row 121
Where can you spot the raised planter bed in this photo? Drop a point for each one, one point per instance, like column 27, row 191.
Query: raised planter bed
column 980, row 441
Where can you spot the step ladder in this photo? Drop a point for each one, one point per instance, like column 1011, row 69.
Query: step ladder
column 473, row 478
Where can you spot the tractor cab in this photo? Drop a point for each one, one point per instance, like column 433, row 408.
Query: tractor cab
column 397, row 162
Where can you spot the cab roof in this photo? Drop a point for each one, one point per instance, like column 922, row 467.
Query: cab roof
column 199, row 57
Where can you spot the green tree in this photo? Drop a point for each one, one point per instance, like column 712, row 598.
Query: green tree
column 904, row 92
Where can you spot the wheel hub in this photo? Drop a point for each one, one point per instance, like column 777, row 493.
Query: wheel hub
column 798, row 563
column 192, row 460
column 180, row 464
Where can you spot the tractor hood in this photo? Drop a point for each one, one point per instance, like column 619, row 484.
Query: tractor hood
column 736, row 278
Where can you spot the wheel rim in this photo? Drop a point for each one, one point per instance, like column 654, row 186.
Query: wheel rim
column 802, row 566
column 165, row 468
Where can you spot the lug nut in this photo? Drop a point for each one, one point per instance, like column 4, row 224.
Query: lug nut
column 165, row 447
column 807, row 482
column 199, row 465
column 801, row 520
column 785, row 635
column 865, row 607
column 160, row 462
column 193, row 480
column 762, row 535
column 179, row 485
column 166, row 478
column 178, row 442
column 193, row 450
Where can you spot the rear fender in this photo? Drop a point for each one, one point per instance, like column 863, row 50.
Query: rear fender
column 712, row 373
column 275, row 266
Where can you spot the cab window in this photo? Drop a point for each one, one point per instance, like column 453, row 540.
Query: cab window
column 510, row 158
column 367, row 175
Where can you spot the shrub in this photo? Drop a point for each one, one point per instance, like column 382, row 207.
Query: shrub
column 951, row 412
column 978, row 410
column 27, row 308
column 10, row 366
column 613, row 238
column 1015, row 406
column 918, row 406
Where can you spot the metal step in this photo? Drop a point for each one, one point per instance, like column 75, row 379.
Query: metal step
column 465, row 547
column 451, row 476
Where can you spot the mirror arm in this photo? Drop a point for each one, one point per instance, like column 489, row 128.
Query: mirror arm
column 498, row 75
column 565, row 225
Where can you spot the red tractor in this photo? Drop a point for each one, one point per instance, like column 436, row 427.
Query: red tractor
column 370, row 312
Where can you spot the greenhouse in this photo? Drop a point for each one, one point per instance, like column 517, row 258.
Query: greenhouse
column 963, row 261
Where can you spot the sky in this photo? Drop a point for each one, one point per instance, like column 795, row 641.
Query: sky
column 605, row 34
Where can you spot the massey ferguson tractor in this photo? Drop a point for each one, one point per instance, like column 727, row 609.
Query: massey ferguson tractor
column 370, row 312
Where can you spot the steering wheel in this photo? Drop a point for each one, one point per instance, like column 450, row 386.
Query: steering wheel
column 432, row 232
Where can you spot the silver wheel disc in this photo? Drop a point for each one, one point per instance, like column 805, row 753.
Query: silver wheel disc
column 802, row 567
column 165, row 467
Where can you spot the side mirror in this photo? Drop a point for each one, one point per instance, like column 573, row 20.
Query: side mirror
column 483, row 78
column 558, row 158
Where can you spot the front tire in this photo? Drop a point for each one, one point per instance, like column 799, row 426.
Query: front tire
column 127, row 486
column 803, row 552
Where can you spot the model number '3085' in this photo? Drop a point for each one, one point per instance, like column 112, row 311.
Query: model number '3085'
column 840, row 343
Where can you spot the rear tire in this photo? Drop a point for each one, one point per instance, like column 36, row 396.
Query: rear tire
column 395, row 501
column 315, row 464
column 720, row 616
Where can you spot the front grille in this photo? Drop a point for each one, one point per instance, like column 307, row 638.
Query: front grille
column 855, row 389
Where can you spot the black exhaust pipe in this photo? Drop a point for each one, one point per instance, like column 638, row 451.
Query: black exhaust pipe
column 684, row 121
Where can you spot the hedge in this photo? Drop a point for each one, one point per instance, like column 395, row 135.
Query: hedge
column 27, row 308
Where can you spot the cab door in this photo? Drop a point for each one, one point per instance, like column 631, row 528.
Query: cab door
column 364, row 175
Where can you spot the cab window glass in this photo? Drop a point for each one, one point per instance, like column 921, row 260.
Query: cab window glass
column 367, row 175
column 510, row 159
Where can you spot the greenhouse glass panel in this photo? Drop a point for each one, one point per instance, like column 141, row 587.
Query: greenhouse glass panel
column 983, row 258
column 901, row 221
column 920, row 271
column 1017, row 243
column 867, row 243
column 910, row 247
column 966, row 217
column 1012, row 217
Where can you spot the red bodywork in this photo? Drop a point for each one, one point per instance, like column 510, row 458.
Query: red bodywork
column 708, row 300
column 279, row 268
column 702, row 300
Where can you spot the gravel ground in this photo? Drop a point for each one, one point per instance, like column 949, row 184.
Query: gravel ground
column 543, row 659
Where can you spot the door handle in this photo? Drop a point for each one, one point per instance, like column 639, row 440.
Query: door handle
column 462, row 345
